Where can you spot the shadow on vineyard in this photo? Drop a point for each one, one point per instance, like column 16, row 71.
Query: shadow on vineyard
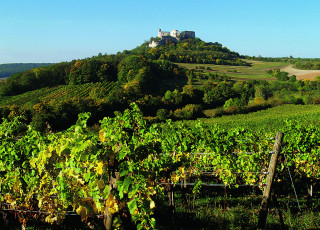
column 239, row 213
column 9, row 221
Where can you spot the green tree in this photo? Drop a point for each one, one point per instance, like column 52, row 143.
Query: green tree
column 129, row 67
column 293, row 78
column 173, row 98
column 163, row 114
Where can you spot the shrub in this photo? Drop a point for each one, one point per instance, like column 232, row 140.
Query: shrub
column 163, row 114
column 233, row 102
column 269, row 71
column 299, row 101
column 256, row 101
column 233, row 109
column 293, row 78
column 316, row 101
column 274, row 101
column 190, row 111
column 178, row 114
column 282, row 76
column 308, row 99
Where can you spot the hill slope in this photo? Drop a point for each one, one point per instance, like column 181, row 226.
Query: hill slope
column 163, row 89
column 192, row 51
column 8, row 69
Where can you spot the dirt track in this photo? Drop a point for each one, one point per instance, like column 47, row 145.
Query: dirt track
column 301, row 74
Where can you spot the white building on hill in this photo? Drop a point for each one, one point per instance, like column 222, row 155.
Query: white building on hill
column 174, row 36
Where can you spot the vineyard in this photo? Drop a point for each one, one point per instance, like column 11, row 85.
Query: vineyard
column 268, row 120
column 124, row 174
column 54, row 94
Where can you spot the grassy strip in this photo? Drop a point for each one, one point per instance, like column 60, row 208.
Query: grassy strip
column 268, row 120
column 257, row 70
column 236, row 213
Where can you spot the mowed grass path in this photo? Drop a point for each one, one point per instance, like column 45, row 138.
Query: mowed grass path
column 257, row 70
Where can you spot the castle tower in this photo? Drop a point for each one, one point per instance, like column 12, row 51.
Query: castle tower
column 175, row 33
column 163, row 33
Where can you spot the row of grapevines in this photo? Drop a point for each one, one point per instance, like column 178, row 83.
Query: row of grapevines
column 57, row 173
column 29, row 97
column 56, row 94
column 119, row 172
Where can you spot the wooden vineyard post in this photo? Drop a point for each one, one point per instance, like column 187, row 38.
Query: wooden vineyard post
column 171, row 199
column 108, row 216
column 310, row 195
column 271, row 172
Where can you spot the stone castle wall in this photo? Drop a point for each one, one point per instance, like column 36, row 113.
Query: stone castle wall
column 175, row 36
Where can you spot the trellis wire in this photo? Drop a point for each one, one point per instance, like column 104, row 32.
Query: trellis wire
column 71, row 213
column 249, row 153
column 67, row 213
column 56, row 196
column 211, row 172
column 213, row 185
column 294, row 189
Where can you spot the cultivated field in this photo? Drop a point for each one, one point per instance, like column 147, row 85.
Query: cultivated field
column 301, row 74
column 257, row 70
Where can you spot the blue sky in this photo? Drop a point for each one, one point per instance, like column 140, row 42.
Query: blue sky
column 63, row 30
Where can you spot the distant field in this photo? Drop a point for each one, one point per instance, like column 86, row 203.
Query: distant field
column 257, row 70
column 272, row 119
column 301, row 74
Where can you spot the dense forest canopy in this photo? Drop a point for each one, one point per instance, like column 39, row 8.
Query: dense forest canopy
column 191, row 51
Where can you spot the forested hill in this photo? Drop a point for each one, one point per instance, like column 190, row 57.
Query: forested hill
column 8, row 69
column 102, row 84
column 191, row 51
column 137, row 67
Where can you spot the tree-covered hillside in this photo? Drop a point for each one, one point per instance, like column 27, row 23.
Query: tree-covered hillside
column 51, row 97
column 191, row 51
column 142, row 64
column 8, row 69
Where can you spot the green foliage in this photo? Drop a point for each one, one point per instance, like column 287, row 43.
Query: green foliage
column 7, row 70
column 293, row 78
column 234, row 102
column 118, row 168
column 192, row 51
column 173, row 98
column 34, row 79
column 309, row 65
column 75, row 72
column 280, row 75
column 218, row 94
column 188, row 112
column 164, row 69
column 129, row 67
column 163, row 114
column 92, row 70
column 97, row 93
column 106, row 83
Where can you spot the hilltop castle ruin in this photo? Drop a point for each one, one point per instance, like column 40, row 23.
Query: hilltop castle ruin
column 174, row 36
